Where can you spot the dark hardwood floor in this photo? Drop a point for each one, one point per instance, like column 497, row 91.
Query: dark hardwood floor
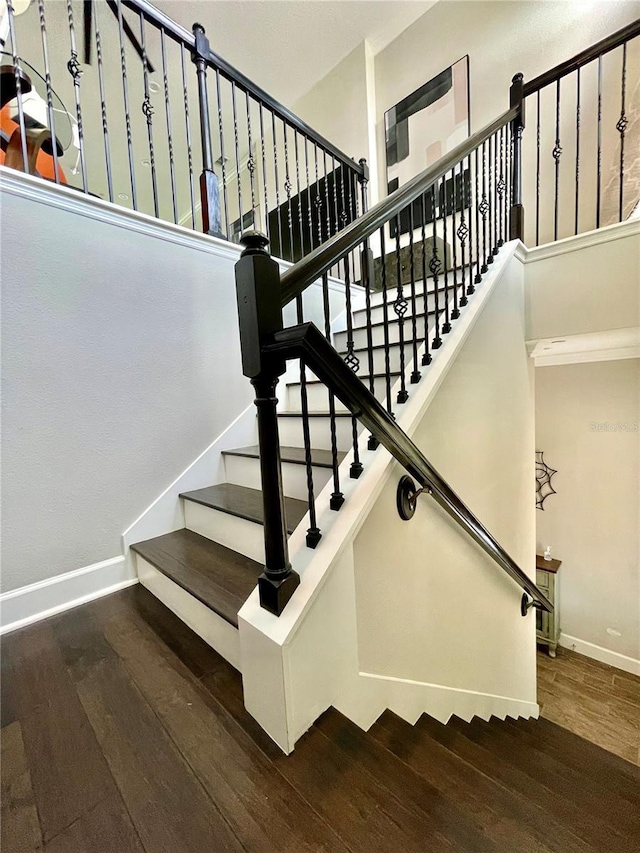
column 122, row 731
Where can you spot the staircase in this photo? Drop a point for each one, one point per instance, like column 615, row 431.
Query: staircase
column 219, row 555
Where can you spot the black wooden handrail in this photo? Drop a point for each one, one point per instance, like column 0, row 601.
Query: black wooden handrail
column 180, row 34
column 585, row 56
column 307, row 343
column 298, row 277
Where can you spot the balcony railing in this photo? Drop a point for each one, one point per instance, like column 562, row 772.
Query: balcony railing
column 146, row 115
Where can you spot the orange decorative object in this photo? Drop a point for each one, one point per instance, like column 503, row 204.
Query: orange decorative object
column 44, row 166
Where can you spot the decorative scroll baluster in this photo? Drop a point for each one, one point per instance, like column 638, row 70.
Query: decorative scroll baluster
column 317, row 202
column 337, row 498
column 400, row 307
column 446, row 326
column 327, row 201
column 223, row 158
column 367, row 266
column 501, row 186
column 483, row 209
column 621, row 127
column 49, row 88
column 127, row 112
column 456, row 311
column 577, row 214
column 478, row 277
column 251, row 165
column 415, row 374
column 187, row 130
column 17, row 74
column 167, row 111
column 385, row 320
column 496, row 197
column 470, row 205
column 426, row 357
column 277, row 182
column 538, row 168
column 103, row 105
column 434, row 267
column 236, row 143
column 309, row 208
column 73, row 67
column 288, row 187
column 557, row 154
column 490, row 201
column 599, row 135
column 356, row 467
column 147, row 111
column 463, row 233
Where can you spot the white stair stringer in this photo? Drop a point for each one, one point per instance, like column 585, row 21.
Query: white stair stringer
column 297, row 665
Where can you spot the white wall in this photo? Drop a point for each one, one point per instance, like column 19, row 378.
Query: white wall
column 431, row 605
column 119, row 338
column 585, row 284
column 587, row 425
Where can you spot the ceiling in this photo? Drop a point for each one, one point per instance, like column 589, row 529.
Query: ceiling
column 286, row 46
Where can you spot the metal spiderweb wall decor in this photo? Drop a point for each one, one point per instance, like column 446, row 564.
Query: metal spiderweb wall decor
column 543, row 480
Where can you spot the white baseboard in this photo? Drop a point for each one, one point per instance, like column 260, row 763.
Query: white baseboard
column 29, row 604
column 601, row 654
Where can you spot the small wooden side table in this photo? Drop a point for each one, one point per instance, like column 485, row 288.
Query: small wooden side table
column 548, row 624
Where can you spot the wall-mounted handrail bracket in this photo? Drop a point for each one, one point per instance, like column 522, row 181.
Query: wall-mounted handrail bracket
column 526, row 603
column 407, row 497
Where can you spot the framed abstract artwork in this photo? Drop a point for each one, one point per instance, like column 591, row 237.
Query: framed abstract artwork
column 422, row 128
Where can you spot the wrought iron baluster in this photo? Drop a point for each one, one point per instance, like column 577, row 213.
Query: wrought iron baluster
column 463, row 233
column 127, row 112
column 538, row 168
column 264, row 171
column 490, row 201
column 483, row 208
column 309, row 211
column 338, row 221
column 251, row 165
column 147, row 112
column 223, row 159
column 400, row 307
column 621, row 127
column 356, row 467
column 577, row 149
column 599, row 135
column 385, row 320
column 496, row 197
column 557, row 154
column 49, row 89
column 167, row 111
column 326, row 196
column 18, row 83
column 313, row 532
column 337, row 498
column 456, row 311
column 478, row 277
column 288, row 186
column 501, row 186
column 446, row 326
column 300, row 220
column 236, row 141
column 426, row 357
column 187, row 130
column 277, row 182
column 103, row 105
column 470, row 287
column 435, row 266
column 415, row 374
column 367, row 267
column 73, row 67
column 317, row 202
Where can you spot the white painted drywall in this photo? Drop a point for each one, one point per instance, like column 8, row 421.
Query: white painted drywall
column 585, row 284
column 587, row 425
column 120, row 365
column 432, row 607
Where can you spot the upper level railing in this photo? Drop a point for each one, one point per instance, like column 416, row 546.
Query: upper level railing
column 146, row 115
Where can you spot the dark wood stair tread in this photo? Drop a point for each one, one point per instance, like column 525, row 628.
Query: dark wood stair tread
column 295, row 455
column 220, row 578
column 244, row 502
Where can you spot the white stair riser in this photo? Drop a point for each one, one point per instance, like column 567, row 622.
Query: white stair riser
column 290, row 430
column 377, row 314
column 239, row 534
column 318, row 399
column 213, row 629
column 244, row 471
column 379, row 362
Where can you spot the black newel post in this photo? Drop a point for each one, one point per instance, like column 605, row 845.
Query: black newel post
column 260, row 316
column 209, row 189
column 516, row 214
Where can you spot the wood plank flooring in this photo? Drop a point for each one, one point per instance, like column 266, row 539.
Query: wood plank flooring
column 598, row 702
column 123, row 732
